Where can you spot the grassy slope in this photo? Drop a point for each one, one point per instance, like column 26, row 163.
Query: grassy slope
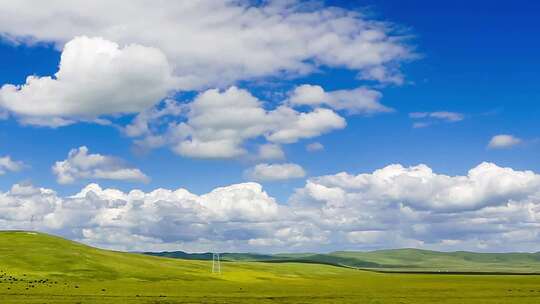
column 38, row 268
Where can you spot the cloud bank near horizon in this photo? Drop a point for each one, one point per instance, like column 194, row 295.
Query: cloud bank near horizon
column 490, row 209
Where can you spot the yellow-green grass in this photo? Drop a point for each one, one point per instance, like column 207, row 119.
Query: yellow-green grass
column 49, row 269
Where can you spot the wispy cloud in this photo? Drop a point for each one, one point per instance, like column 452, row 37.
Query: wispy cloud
column 427, row 119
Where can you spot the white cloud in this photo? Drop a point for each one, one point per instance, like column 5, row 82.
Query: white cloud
column 489, row 209
column 360, row 100
column 429, row 118
column 503, row 141
column 9, row 165
column 220, row 122
column 290, row 126
column 441, row 115
column 420, row 188
column 448, row 116
column 80, row 165
column 242, row 202
column 275, row 172
column 270, row 152
column 307, row 94
column 141, row 123
column 414, row 207
column 216, row 43
column 383, row 74
column 142, row 221
column 315, row 146
column 95, row 77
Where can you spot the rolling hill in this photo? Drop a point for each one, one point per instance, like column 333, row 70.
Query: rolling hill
column 40, row 268
column 460, row 261
column 396, row 260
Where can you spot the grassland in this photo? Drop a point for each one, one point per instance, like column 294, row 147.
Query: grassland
column 39, row 268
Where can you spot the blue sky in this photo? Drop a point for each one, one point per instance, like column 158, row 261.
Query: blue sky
column 478, row 60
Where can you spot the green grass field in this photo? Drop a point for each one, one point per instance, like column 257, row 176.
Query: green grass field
column 38, row 268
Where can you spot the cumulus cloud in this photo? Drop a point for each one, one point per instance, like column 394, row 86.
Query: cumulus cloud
column 219, row 122
column 95, row 77
column 9, row 165
column 490, row 209
column 80, row 165
column 503, row 141
column 216, row 43
column 429, row 118
column 416, row 207
column 315, row 146
column 292, row 126
column 275, row 172
column 137, row 220
column 419, row 187
column 360, row 100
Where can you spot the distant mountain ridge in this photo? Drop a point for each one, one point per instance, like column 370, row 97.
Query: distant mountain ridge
column 208, row 256
column 393, row 260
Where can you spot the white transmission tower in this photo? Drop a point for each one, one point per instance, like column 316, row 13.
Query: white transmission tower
column 32, row 223
column 216, row 263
